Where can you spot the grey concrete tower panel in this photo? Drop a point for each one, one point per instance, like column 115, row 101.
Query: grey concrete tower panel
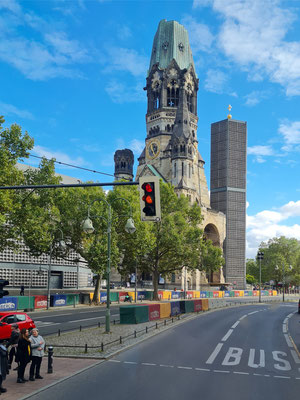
column 228, row 192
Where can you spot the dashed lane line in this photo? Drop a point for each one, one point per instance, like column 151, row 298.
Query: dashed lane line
column 235, row 325
column 227, row 335
column 217, row 371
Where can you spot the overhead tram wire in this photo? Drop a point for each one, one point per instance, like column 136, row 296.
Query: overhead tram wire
column 75, row 166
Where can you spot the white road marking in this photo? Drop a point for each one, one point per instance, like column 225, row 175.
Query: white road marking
column 295, row 356
column 214, row 354
column 284, row 328
column 286, row 365
column 51, row 316
column 241, row 373
column 267, row 376
column 166, row 366
column 227, row 335
column 289, row 343
column 130, row 362
column 233, row 356
column 41, row 324
column 184, row 367
column 253, row 312
column 224, row 372
column 251, row 362
column 283, row 377
column 85, row 319
column 117, row 361
column 235, row 325
column 257, row 374
column 202, row 369
column 244, row 316
column 148, row 364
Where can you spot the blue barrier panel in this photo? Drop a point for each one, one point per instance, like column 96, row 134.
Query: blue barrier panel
column 8, row 303
column 141, row 295
column 226, row 293
column 203, row 295
column 58, row 300
column 246, row 292
column 175, row 294
column 175, row 308
column 103, row 297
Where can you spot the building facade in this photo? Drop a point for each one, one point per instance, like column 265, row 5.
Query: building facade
column 228, row 192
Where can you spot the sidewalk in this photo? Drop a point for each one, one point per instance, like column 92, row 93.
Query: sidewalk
column 62, row 368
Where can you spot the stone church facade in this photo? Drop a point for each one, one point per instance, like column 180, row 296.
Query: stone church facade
column 171, row 144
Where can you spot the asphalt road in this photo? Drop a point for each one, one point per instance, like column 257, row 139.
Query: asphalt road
column 50, row 322
column 235, row 353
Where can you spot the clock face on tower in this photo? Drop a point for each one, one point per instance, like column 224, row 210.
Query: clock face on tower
column 153, row 149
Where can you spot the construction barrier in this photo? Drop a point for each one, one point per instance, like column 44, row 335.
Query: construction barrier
column 196, row 294
column 25, row 302
column 175, row 308
column 8, row 303
column 197, row 305
column 58, row 300
column 154, row 312
column 205, row 304
column 176, row 294
column 160, row 294
column 134, row 314
column 40, row 302
column 141, row 295
column 72, row 299
column 132, row 295
column 189, row 294
column 165, row 310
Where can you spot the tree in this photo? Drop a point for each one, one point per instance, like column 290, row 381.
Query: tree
column 250, row 279
column 211, row 258
column 279, row 252
column 14, row 147
column 162, row 247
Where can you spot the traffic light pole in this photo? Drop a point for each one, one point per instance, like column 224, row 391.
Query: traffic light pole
column 107, row 315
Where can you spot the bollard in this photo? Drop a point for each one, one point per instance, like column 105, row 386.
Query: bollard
column 85, row 348
column 120, row 339
column 156, row 326
column 146, row 329
column 98, row 324
column 74, row 304
column 102, row 346
column 135, row 334
column 58, row 333
column 165, row 322
column 50, row 359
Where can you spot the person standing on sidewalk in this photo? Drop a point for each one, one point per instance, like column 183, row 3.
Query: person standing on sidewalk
column 3, row 366
column 23, row 354
column 37, row 346
column 13, row 342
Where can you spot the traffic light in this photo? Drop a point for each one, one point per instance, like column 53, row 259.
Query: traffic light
column 3, row 283
column 150, row 198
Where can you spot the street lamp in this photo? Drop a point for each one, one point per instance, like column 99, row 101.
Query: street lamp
column 62, row 246
column 88, row 228
column 283, row 277
column 260, row 256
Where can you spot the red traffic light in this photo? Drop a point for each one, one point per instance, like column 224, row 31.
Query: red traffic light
column 147, row 187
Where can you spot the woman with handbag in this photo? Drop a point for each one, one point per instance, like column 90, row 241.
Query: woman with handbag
column 23, row 354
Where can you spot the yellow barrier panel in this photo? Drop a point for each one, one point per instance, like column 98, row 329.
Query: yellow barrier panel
column 167, row 295
column 221, row 293
column 242, row 293
column 165, row 310
column 196, row 294
column 132, row 295
column 205, row 304
column 92, row 295
column 274, row 292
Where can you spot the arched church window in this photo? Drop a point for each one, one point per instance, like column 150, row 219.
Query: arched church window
column 172, row 97
column 189, row 98
column 156, row 104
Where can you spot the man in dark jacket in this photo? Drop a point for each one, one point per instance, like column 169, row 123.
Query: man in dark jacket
column 3, row 366
column 13, row 342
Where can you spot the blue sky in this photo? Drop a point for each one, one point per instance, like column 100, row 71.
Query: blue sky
column 72, row 74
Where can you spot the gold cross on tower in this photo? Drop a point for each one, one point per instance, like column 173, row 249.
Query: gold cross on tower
column 229, row 116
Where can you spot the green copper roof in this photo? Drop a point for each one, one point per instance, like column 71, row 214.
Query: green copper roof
column 171, row 41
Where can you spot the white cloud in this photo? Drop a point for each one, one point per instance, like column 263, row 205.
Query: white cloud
column 255, row 97
column 137, row 146
column 215, row 81
column 200, row 37
column 259, row 152
column 291, row 135
column 58, row 155
column 253, row 34
column 9, row 109
column 128, row 60
column 52, row 55
column 121, row 93
column 267, row 224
